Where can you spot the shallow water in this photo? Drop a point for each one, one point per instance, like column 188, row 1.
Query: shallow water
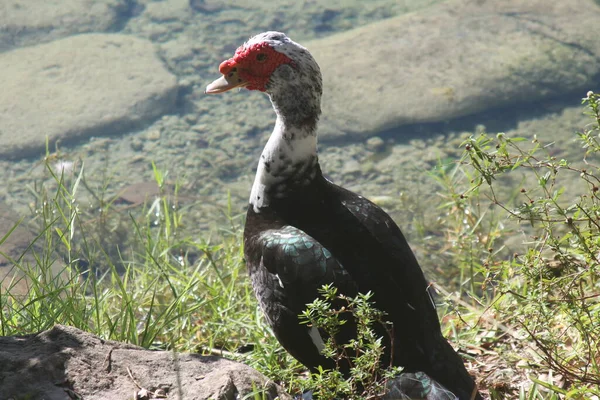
column 210, row 145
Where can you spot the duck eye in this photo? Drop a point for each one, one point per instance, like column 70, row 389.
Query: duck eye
column 261, row 57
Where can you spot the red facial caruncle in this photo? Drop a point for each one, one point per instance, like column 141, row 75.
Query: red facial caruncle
column 250, row 67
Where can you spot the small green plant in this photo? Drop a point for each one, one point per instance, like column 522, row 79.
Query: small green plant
column 363, row 354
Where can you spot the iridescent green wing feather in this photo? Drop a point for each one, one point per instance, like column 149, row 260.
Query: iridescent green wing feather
column 300, row 261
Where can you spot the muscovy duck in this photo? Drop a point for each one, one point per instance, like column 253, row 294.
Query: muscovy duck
column 302, row 231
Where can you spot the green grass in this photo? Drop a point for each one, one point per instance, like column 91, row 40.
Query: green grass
column 140, row 276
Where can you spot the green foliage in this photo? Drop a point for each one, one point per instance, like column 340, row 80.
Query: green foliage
column 549, row 291
column 136, row 275
column 151, row 286
column 363, row 354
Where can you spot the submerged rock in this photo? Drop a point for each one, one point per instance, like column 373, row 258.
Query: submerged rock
column 138, row 193
column 27, row 22
column 81, row 86
column 456, row 58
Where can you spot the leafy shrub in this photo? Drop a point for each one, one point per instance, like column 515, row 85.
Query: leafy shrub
column 549, row 293
column 363, row 354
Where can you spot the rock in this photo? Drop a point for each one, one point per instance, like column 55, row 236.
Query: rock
column 27, row 22
column 385, row 201
column 137, row 144
column 153, row 135
column 64, row 363
column 375, row 144
column 139, row 193
column 351, row 167
column 169, row 10
column 454, row 59
column 77, row 87
column 206, row 6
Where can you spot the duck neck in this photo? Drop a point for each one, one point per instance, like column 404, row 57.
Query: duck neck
column 289, row 160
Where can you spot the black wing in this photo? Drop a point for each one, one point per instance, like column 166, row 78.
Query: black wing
column 292, row 267
column 299, row 261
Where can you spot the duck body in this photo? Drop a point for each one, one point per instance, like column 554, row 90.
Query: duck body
column 330, row 235
column 303, row 232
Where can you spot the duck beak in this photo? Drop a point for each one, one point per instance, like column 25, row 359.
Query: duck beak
column 224, row 84
column 230, row 79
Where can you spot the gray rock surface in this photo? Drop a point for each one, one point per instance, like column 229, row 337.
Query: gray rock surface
column 456, row 58
column 27, row 22
column 65, row 363
column 85, row 85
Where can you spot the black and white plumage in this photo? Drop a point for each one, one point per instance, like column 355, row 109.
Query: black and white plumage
column 302, row 231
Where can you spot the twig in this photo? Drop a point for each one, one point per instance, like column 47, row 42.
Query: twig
column 159, row 393
column 108, row 360
column 133, row 379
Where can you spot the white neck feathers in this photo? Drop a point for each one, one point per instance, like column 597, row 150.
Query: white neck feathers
column 288, row 158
